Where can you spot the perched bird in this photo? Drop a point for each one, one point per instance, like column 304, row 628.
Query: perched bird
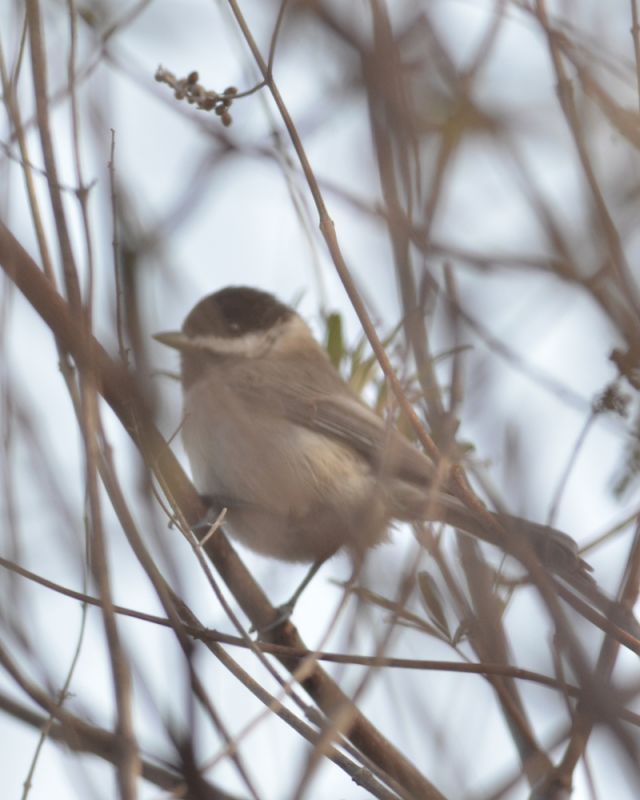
column 303, row 466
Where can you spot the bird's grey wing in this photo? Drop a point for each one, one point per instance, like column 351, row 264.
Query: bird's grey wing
column 318, row 399
column 333, row 411
column 349, row 421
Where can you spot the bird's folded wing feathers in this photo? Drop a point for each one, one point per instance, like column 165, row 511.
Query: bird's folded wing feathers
column 346, row 419
column 332, row 410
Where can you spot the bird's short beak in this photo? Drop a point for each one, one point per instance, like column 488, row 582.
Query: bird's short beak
column 175, row 339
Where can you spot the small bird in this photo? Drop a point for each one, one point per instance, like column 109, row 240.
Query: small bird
column 303, row 466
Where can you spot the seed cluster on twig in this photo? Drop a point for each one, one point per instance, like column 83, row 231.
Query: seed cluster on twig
column 193, row 92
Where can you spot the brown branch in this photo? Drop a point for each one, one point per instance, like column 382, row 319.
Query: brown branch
column 39, row 70
column 591, row 709
column 207, row 634
column 568, row 106
column 81, row 737
column 120, row 391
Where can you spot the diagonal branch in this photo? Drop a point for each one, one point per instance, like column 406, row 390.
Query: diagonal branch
column 119, row 389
